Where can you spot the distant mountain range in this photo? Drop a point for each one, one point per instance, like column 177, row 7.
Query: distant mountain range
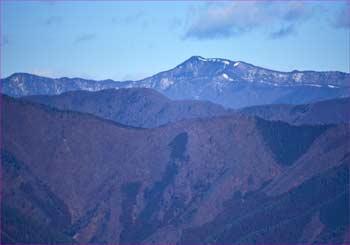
column 212, row 151
column 137, row 107
column 233, row 84
column 73, row 177
column 142, row 107
column 323, row 112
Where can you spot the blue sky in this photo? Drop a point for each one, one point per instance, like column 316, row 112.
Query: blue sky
column 132, row 40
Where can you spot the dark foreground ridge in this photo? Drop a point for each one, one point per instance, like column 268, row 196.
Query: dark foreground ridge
column 75, row 178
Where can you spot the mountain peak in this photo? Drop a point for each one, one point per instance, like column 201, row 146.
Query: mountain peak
column 19, row 74
column 199, row 59
column 196, row 58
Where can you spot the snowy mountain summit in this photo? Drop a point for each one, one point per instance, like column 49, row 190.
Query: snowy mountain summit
column 230, row 83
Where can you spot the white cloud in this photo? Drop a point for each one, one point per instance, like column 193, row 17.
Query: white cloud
column 226, row 20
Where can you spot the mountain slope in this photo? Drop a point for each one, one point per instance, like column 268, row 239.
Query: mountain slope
column 232, row 84
column 109, row 183
column 237, row 84
column 139, row 107
column 22, row 84
column 323, row 112
column 142, row 107
column 45, row 222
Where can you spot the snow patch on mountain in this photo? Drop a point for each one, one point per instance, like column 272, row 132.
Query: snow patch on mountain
column 331, row 86
column 225, row 76
column 298, row 76
column 165, row 83
column 314, row 85
column 225, row 62
column 201, row 58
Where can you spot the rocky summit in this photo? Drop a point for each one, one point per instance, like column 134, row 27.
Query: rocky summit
column 232, row 84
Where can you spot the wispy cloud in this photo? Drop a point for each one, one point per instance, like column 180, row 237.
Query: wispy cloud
column 341, row 18
column 131, row 18
column 175, row 23
column 233, row 19
column 138, row 17
column 283, row 32
column 85, row 37
column 53, row 20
